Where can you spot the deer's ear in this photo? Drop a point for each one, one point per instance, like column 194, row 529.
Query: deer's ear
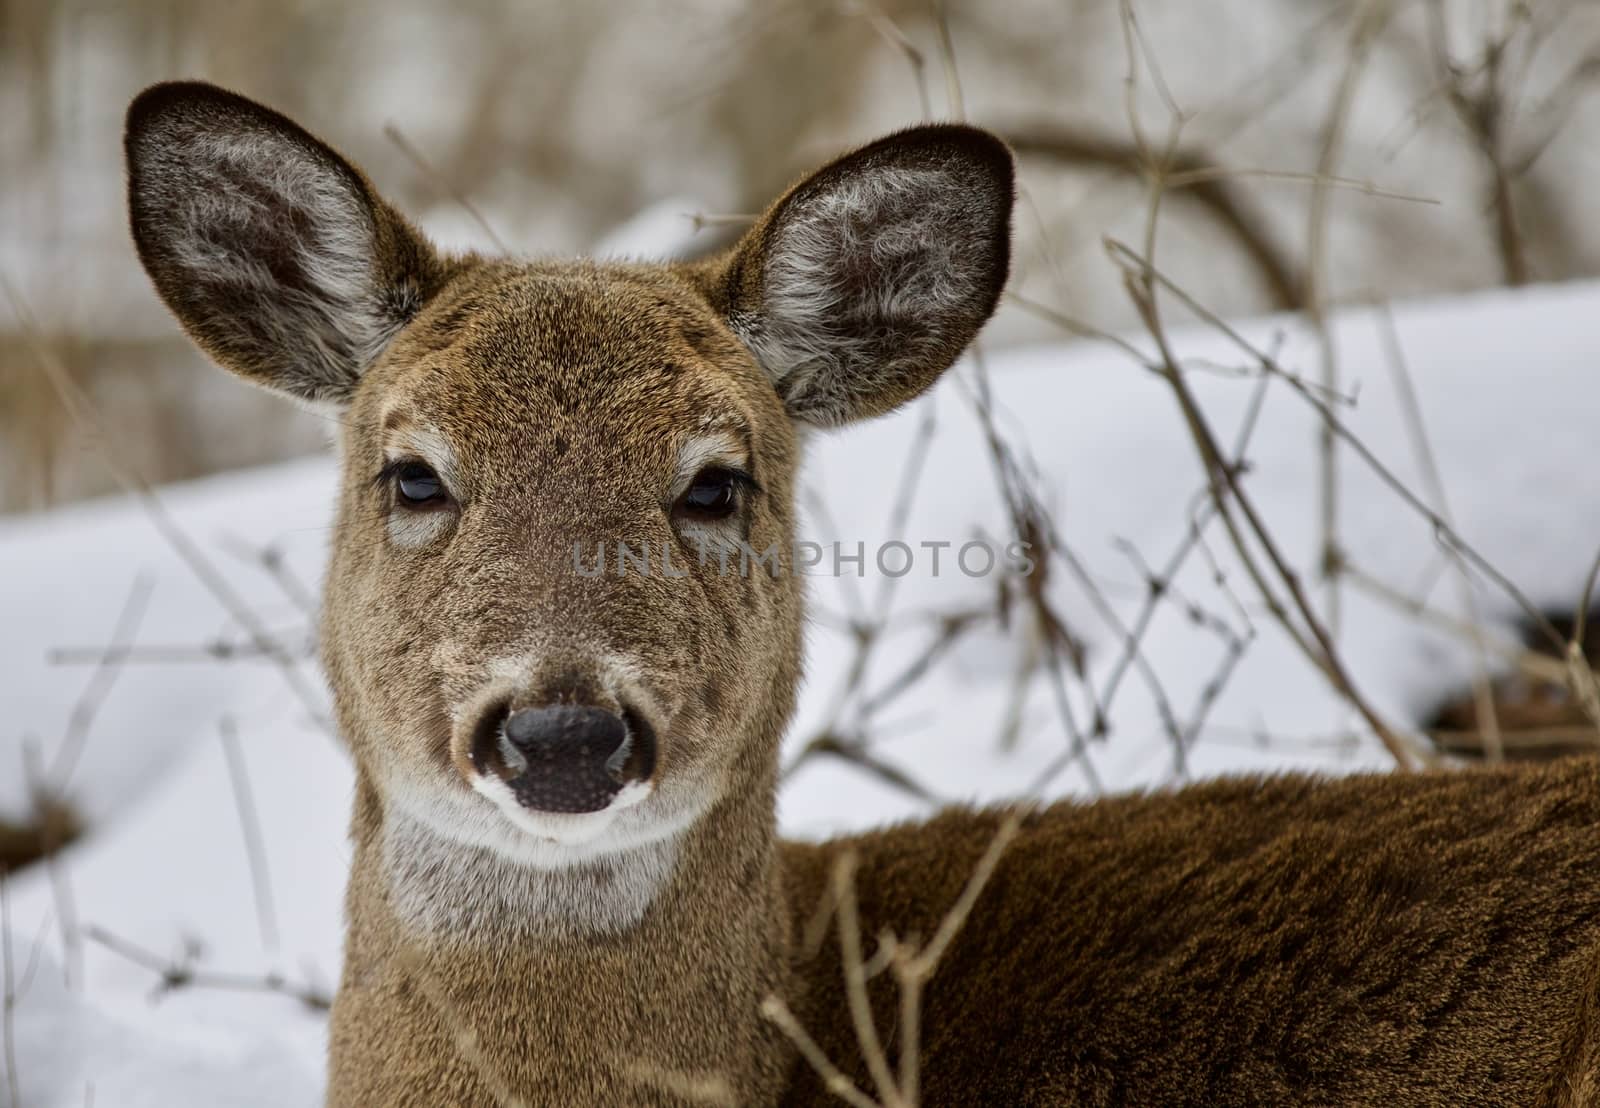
column 865, row 281
column 272, row 250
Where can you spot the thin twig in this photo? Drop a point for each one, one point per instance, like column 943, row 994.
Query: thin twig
column 108, row 667
column 911, row 472
column 1411, row 410
column 182, row 973
column 855, row 752
column 913, row 968
column 1583, row 678
column 57, row 826
column 8, row 1001
column 1441, row 528
column 217, row 650
column 1529, row 663
column 947, row 57
column 447, row 186
column 1483, row 111
column 1227, row 491
column 891, row 33
column 82, row 414
column 777, row 1012
column 271, row 559
column 698, row 1088
column 949, row 631
column 254, row 842
column 849, row 927
column 1370, row 21
column 699, row 221
column 1200, row 180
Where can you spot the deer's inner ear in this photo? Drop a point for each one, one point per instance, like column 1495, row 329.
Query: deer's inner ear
column 867, row 280
column 271, row 249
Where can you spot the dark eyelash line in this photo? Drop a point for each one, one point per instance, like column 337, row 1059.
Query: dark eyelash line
column 743, row 479
column 391, row 470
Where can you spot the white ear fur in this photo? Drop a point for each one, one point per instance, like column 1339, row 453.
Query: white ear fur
column 876, row 272
column 244, row 191
column 268, row 246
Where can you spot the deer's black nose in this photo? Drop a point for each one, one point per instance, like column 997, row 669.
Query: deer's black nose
column 566, row 758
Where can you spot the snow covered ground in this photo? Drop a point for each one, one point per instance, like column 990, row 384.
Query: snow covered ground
column 1505, row 383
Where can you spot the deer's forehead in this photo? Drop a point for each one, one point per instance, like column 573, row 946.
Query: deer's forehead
column 538, row 365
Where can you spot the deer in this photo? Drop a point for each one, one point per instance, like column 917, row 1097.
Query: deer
column 567, row 884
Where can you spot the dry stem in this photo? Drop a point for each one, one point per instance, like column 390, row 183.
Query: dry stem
column 913, row 967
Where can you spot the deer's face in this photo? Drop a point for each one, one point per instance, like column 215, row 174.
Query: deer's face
column 562, row 619
column 532, row 473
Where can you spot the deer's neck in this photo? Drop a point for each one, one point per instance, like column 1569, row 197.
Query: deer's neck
column 628, row 975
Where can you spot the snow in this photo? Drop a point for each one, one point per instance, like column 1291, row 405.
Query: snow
column 665, row 229
column 1501, row 379
column 70, row 1051
column 1497, row 377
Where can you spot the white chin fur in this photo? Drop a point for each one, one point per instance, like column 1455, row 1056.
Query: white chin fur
column 570, row 829
column 489, row 817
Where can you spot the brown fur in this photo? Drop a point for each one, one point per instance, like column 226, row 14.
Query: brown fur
column 1397, row 939
column 1422, row 938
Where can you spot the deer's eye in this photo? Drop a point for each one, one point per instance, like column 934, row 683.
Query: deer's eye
column 417, row 485
column 714, row 493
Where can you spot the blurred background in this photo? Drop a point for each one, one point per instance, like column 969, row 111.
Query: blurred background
column 620, row 125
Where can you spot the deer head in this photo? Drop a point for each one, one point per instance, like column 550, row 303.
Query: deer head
column 504, row 424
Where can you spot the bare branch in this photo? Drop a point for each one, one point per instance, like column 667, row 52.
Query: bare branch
column 108, row 667
column 1411, row 410
column 1227, row 492
column 891, row 33
column 254, row 842
column 1200, row 180
column 182, row 973
column 8, row 998
column 443, row 182
column 84, row 417
column 777, row 1012
column 1370, row 20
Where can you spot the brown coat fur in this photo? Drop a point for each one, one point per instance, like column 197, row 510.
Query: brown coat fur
column 1428, row 939
column 1424, row 939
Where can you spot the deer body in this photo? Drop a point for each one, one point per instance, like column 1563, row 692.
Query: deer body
column 1423, row 939
column 567, row 886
